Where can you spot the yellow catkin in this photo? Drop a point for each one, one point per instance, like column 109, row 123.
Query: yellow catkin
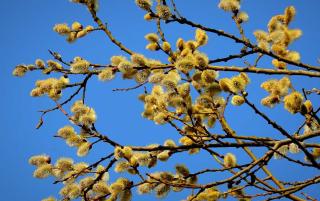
column 160, row 118
column 226, row 84
column 51, row 86
column 76, row 26
column 169, row 143
column 279, row 64
column 230, row 160
column 80, row 166
column 237, row 100
column 208, row 76
column 40, row 63
column 148, row 17
column 279, row 49
column 101, row 187
column 261, row 35
column 293, row 56
column 202, row 60
column 39, row 160
column 307, row 107
column 277, row 36
column 142, row 76
column 64, row 164
column 293, row 102
column 294, row 148
column 166, row 46
column 185, row 64
column 118, row 153
column 283, row 150
column 80, row 66
column 152, row 37
column 238, row 83
column 127, row 152
column 74, row 141
column 125, row 66
column 316, row 153
column 54, row 65
column 20, row 71
column 184, row 89
column 138, row 59
column 274, row 23
column 85, row 182
column 84, row 149
column 43, row 171
column 242, row 17
column 294, row 34
column 152, row 47
column 83, row 114
column 116, row 60
column 163, row 12
column 162, row 190
column 70, row 190
column 229, row 5
column 164, row 155
column 62, row 29
column 82, row 33
column 72, row 36
column 66, row 132
column 289, row 14
column 191, row 45
column 121, row 166
column 264, row 45
column 89, row 28
column 144, row 4
column 185, row 52
column 180, row 44
column 106, row 74
column 118, row 186
column 182, row 170
column 201, row 37
column 145, row 188
column 270, row 101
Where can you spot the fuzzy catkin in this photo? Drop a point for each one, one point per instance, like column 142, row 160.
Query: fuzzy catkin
column 144, row 4
column 106, row 74
column 230, row 160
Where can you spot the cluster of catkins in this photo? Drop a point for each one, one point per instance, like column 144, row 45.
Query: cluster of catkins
column 283, row 150
column 74, row 32
column 278, row 89
column 63, row 169
column 67, row 171
column 235, row 85
column 52, row 87
column 21, row 69
column 294, row 148
column 233, row 6
column 162, row 11
column 138, row 68
column 279, row 37
column 161, row 189
column 74, row 140
column 129, row 160
column 188, row 60
column 79, row 66
column 186, row 57
column 83, row 114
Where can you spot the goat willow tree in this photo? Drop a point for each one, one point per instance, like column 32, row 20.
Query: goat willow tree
column 186, row 93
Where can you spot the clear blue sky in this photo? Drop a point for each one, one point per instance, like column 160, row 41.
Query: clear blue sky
column 26, row 35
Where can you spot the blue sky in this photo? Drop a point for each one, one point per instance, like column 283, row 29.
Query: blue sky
column 27, row 35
